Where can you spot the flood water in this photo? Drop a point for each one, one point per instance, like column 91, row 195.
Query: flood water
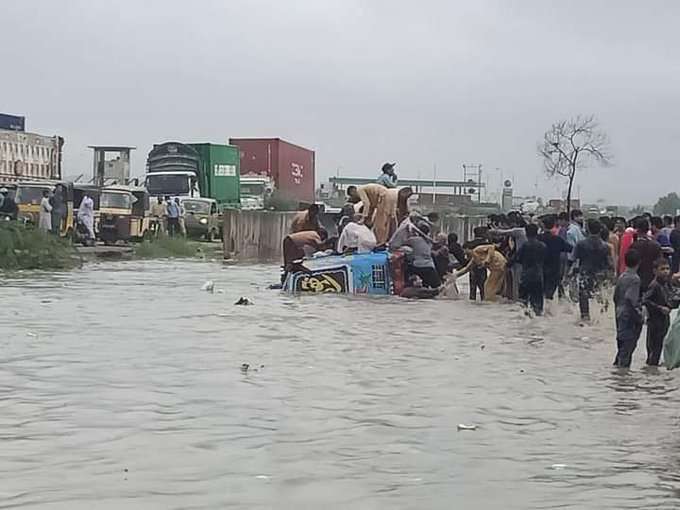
column 121, row 387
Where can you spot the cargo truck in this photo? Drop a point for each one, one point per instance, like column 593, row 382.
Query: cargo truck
column 275, row 166
column 205, row 170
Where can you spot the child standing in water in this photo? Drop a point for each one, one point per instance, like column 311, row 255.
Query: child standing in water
column 658, row 301
column 628, row 310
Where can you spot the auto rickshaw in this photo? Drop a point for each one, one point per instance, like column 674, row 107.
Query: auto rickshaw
column 11, row 187
column 141, row 224
column 201, row 218
column 123, row 214
column 29, row 194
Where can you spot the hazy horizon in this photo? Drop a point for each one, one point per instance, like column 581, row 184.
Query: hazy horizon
column 361, row 83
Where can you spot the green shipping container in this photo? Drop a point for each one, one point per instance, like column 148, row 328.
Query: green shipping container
column 220, row 175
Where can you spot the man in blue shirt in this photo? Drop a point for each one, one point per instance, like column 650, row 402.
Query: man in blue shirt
column 173, row 212
column 575, row 232
column 388, row 177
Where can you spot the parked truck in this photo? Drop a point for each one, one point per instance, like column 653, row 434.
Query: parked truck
column 194, row 170
column 255, row 191
column 272, row 165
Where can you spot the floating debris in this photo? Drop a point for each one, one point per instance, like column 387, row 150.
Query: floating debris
column 31, row 334
column 243, row 301
column 558, row 467
column 209, row 286
column 244, row 367
column 462, row 426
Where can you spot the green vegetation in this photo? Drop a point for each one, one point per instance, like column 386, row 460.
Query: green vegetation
column 669, row 204
column 25, row 247
column 166, row 247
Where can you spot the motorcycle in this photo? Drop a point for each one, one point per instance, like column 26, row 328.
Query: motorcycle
column 82, row 234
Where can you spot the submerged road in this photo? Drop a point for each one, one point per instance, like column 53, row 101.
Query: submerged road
column 121, row 387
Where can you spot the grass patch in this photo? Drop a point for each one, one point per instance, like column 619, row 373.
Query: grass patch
column 166, row 247
column 26, row 247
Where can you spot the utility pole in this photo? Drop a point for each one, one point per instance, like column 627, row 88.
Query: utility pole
column 434, row 184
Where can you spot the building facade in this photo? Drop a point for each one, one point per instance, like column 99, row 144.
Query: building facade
column 29, row 156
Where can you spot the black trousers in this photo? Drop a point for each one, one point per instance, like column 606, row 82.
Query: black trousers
column 675, row 262
column 429, row 276
column 627, row 335
column 531, row 294
column 173, row 226
column 551, row 280
column 477, row 281
column 657, row 327
column 586, row 288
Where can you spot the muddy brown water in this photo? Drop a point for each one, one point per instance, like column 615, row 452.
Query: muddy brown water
column 121, row 387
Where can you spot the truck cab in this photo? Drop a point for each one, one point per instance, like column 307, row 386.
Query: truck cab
column 172, row 184
column 255, row 190
column 173, row 170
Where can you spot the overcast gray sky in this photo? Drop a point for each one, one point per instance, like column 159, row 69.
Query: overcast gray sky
column 360, row 82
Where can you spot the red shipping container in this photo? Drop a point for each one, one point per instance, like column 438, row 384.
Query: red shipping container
column 290, row 166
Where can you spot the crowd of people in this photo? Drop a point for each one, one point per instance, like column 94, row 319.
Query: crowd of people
column 530, row 260
column 533, row 260
column 169, row 214
column 53, row 211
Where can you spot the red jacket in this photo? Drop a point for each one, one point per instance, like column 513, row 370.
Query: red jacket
column 627, row 239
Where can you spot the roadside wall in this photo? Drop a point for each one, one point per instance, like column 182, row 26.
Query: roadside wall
column 255, row 235
column 258, row 235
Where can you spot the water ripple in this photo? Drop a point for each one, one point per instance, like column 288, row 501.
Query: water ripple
column 121, row 387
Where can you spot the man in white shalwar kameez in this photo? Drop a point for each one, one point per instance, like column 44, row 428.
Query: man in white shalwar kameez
column 86, row 215
column 45, row 218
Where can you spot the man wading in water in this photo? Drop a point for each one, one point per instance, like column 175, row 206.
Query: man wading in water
column 531, row 256
column 659, row 302
column 591, row 259
column 556, row 249
column 486, row 256
column 628, row 310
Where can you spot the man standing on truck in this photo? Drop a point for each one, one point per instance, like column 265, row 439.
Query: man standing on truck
column 388, row 178
column 349, row 209
column 300, row 244
column 379, row 206
column 306, row 220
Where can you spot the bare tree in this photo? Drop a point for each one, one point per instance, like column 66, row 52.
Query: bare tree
column 570, row 145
